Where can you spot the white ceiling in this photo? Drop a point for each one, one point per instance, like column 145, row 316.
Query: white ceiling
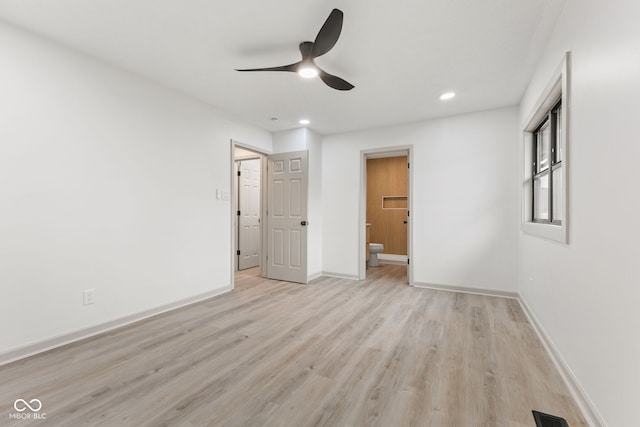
column 400, row 55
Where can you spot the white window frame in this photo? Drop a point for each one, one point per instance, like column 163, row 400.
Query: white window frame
column 557, row 88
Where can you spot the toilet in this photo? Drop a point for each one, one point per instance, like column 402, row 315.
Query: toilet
column 374, row 250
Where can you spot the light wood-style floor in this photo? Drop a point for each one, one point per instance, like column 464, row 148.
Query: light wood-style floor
column 335, row 352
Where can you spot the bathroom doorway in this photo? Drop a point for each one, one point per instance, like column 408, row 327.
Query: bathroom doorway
column 385, row 209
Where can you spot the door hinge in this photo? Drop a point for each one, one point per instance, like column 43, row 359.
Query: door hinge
column 408, row 165
column 408, row 261
column 408, row 213
column 239, row 173
column 238, row 213
column 238, row 252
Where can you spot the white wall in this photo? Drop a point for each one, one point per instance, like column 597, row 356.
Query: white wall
column 306, row 139
column 290, row 140
column 465, row 199
column 314, row 253
column 107, row 181
column 586, row 293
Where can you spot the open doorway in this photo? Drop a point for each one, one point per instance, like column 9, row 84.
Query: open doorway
column 385, row 210
column 248, row 205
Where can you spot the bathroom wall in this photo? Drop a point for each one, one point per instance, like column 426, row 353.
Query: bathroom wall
column 387, row 203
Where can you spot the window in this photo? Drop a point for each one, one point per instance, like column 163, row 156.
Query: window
column 544, row 154
column 546, row 206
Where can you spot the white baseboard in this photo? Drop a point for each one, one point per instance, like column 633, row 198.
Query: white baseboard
column 314, row 276
column 68, row 338
column 466, row 290
column 340, row 275
column 586, row 406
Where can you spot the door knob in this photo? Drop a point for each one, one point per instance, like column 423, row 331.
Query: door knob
column 303, row 223
column 405, row 221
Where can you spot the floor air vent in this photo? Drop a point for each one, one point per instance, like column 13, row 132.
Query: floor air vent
column 546, row 420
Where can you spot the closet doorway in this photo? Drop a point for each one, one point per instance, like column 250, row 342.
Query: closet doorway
column 248, row 181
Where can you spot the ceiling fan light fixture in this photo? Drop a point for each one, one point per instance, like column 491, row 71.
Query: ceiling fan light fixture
column 308, row 72
column 309, row 50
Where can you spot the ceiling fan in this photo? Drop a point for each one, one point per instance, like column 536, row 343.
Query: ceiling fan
column 324, row 42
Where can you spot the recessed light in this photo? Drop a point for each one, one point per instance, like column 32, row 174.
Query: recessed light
column 304, row 122
column 446, row 96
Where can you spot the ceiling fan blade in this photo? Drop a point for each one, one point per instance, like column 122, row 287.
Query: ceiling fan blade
column 328, row 34
column 335, row 81
column 290, row 67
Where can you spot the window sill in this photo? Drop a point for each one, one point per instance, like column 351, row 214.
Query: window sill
column 546, row 231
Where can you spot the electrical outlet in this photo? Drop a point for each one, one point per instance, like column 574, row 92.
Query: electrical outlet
column 89, row 296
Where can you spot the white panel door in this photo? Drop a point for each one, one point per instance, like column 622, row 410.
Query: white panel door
column 287, row 217
column 249, row 214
